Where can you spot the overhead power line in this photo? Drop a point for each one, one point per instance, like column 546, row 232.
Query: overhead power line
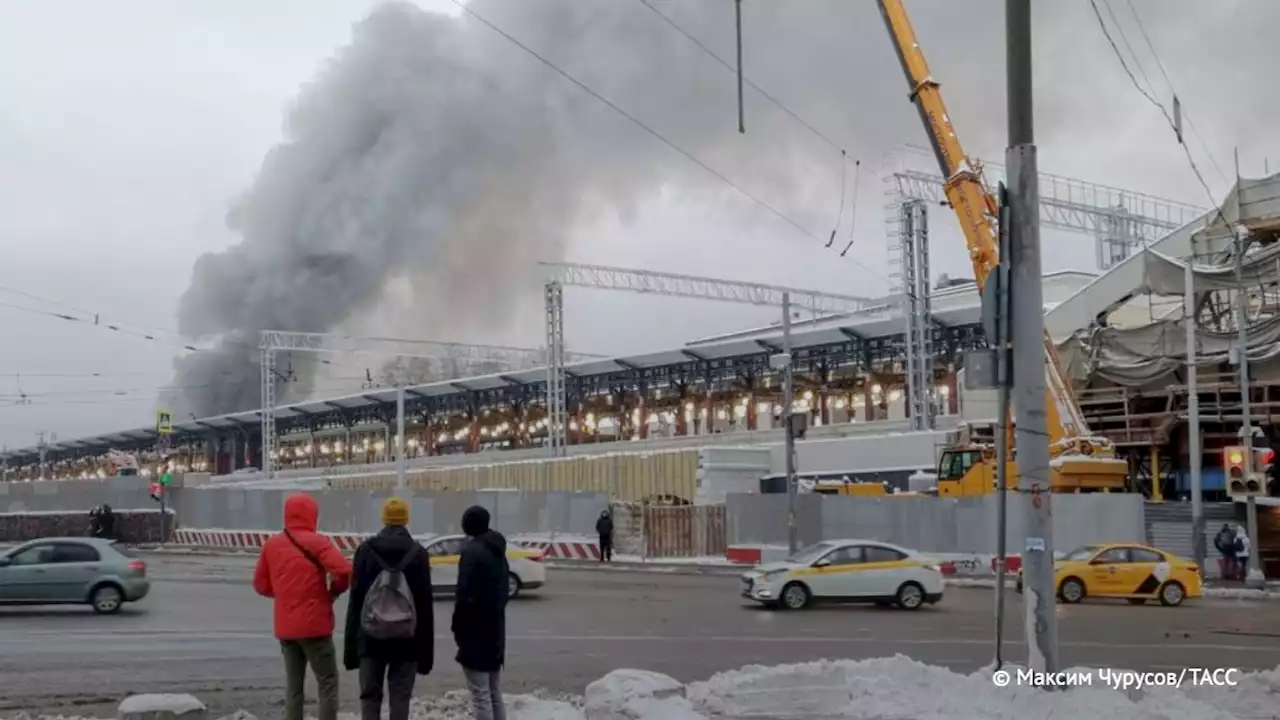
column 1174, row 91
column 466, row 8
column 90, row 318
column 1213, row 200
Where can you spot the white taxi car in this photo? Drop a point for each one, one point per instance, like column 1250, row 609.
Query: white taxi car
column 444, row 553
column 846, row 571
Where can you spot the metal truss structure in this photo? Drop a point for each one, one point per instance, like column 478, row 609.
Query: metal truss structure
column 439, row 405
column 1120, row 220
column 913, row 239
column 647, row 282
column 273, row 341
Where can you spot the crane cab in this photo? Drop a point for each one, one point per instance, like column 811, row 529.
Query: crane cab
column 966, row 470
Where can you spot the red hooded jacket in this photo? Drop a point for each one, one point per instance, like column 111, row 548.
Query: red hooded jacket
column 303, row 594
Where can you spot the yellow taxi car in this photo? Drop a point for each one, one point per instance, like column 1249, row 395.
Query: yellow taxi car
column 526, row 569
column 1131, row 571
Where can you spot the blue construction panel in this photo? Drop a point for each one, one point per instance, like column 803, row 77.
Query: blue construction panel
column 1211, row 478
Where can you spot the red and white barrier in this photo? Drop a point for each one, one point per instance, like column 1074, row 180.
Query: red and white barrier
column 253, row 539
column 561, row 549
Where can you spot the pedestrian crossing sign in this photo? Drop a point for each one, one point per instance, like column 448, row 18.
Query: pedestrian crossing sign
column 164, row 422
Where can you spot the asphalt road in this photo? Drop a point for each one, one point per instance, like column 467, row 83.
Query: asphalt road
column 204, row 631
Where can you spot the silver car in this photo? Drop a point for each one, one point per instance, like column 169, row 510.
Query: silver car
column 72, row 571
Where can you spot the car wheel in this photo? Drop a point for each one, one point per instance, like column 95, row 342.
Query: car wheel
column 1071, row 591
column 513, row 585
column 795, row 596
column 910, row 596
column 1172, row 594
column 106, row 599
column 1137, row 601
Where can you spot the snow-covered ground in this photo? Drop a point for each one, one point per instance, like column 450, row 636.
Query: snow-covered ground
column 896, row 688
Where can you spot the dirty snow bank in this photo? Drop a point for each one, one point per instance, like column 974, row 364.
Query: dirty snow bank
column 897, row 688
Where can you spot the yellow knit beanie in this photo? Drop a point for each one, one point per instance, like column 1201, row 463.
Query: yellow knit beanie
column 395, row 512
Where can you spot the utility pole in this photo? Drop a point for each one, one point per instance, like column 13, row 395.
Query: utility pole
column 1253, row 576
column 788, row 400
column 1027, row 334
column 1195, row 447
column 43, row 447
column 400, row 458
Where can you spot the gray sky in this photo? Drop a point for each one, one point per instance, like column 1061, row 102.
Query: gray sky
column 130, row 129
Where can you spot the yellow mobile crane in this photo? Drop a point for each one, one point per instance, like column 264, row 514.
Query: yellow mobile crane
column 1078, row 460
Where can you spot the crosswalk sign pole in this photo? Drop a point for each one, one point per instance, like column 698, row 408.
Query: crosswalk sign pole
column 164, row 429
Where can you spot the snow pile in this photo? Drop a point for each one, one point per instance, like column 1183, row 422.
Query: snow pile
column 896, row 688
column 899, row 687
column 636, row 695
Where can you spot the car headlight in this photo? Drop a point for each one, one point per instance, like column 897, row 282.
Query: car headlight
column 771, row 576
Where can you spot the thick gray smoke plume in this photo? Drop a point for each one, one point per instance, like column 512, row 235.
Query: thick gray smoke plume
column 433, row 152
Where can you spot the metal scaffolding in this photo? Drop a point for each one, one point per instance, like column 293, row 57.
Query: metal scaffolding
column 272, row 341
column 557, row 414
column 647, row 282
column 913, row 240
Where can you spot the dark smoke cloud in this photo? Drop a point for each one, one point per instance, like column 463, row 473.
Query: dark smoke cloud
column 431, row 150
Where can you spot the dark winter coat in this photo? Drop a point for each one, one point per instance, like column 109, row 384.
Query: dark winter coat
column 604, row 527
column 391, row 545
column 480, row 604
column 1225, row 541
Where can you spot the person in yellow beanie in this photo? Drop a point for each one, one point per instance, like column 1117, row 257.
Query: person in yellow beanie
column 395, row 512
column 390, row 629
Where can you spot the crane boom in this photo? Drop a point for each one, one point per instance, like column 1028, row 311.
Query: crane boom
column 978, row 213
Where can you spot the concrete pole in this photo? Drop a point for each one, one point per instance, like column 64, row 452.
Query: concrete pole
column 788, row 399
column 1027, row 334
column 400, row 459
column 1195, row 447
column 1253, row 577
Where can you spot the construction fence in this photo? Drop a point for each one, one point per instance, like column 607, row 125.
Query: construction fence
column 657, row 476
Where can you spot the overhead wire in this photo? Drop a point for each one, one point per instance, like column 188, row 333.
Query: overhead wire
column 844, row 155
column 94, row 319
column 465, row 7
column 1142, row 29
column 840, row 214
column 857, row 182
column 1213, row 201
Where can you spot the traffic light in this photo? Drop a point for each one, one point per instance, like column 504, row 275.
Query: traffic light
column 1246, row 476
column 157, row 491
column 1264, row 468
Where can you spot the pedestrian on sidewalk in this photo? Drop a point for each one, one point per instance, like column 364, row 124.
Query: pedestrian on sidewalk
column 390, row 628
column 304, row 573
column 1242, row 552
column 604, row 528
column 480, row 613
column 1225, row 543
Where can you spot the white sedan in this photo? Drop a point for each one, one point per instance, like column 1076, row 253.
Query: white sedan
column 846, row 571
column 444, row 553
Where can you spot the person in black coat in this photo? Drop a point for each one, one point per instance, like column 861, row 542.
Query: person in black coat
column 604, row 528
column 480, row 613
column 394, row 661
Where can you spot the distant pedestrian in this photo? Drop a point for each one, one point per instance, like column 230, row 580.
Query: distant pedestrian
column 1225, row 543
column 390, row 627
column 604, row 528
column 107, row 522
column 480, row 612
column 1242, row 552
column 294, row 570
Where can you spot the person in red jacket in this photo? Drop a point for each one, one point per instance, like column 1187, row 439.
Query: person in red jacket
column 294, row 570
